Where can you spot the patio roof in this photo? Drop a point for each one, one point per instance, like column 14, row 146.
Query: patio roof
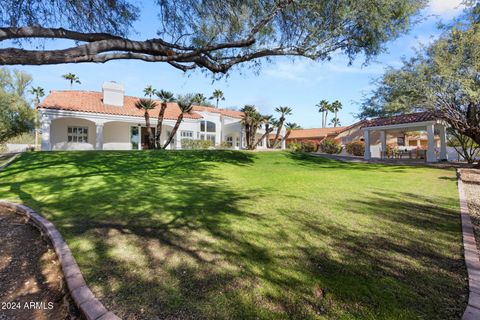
column 411, row 118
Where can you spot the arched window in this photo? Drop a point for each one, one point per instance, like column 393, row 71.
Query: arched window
column 207, row 126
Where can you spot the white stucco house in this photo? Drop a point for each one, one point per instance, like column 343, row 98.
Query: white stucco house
column 109, row 120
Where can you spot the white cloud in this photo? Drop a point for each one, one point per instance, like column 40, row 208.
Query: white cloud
column 288, row 70
column 446, row 7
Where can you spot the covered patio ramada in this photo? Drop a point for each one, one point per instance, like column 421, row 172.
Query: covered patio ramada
column 376, row 131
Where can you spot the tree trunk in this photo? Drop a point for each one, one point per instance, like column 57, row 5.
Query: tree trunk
column 149, row 130
column 158, row 133
column 267, row 132
column 277, row 135
column 286, row 137
column 174, row 130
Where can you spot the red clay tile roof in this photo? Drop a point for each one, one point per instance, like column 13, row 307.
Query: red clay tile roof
column 224, row 112
column 88, row 101
column 403, row 118
column 313, row 133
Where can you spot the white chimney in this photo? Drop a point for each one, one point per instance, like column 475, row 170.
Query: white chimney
column 113, row 93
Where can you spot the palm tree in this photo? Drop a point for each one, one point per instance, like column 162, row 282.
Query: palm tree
column 185, row 103
column 199, row 99
column 72, row 78
column 147, row 104
column 323, row 107
column 335, row 122
column 336, row 106
column 284, row 111
column 149, row 91
column 249, row 113
column 217, row 95
column 38, row 92
column 165, row 97
column 290, row 126
column 269, row 123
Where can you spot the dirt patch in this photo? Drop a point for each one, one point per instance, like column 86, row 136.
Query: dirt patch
column 31, row 280
column 471, row 185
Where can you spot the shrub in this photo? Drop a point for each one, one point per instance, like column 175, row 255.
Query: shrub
column 330, row 146
column 224, row 145
column 392, row 151
column 309, row 146
column 294, row 146
column 356, row 148
column 191, row 144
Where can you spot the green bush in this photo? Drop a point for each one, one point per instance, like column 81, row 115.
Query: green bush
column 330, row 146
column 356, row 148
column 224, row 145
column 294, row 146
column 191, row 144
column 309, row 146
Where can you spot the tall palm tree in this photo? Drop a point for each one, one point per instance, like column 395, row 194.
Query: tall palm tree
column 249, row 113
column 72, row 77
column 185, row 103
column 38, row 92
column 217, row 95
column 284, row 111
column 149, row 91
column 335, row 122
column 290, row 126
column 165, row 97
column 323, row 107
column 146, row 105
column 336, row 106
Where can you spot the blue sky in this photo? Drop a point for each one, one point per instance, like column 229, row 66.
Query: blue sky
column 299, row 84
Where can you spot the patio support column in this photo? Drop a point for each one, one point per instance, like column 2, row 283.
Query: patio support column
column 99, row 136
column 178, row 141
column 284, row 143
column 366, row 138
column 264, row 142
column 443, row 142
column 383, row 142
column 46, row 134
column 431, row 143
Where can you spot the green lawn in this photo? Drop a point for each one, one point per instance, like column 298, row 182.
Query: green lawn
column 220, row 234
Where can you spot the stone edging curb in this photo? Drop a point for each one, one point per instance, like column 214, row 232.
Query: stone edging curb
column 83, row 297
column 472, row 260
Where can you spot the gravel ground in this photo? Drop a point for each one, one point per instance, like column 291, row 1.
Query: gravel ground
column 31, row 281
column 471, row 183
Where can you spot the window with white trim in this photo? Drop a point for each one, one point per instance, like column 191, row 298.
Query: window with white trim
column 229, row 141
column 77, row 134
column 186, row 134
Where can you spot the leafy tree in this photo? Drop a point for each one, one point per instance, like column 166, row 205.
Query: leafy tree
column 335, row 107
column 185, row 103
column 165, row 97
column 37, row 92
column 217, row 95
column 72, row 78
column 16, row 115
column 442, row 78
column 463, row 145
column 146, row 105
column 206, row 35
column 323, row 107
column 201, row 100
column 284, row 111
